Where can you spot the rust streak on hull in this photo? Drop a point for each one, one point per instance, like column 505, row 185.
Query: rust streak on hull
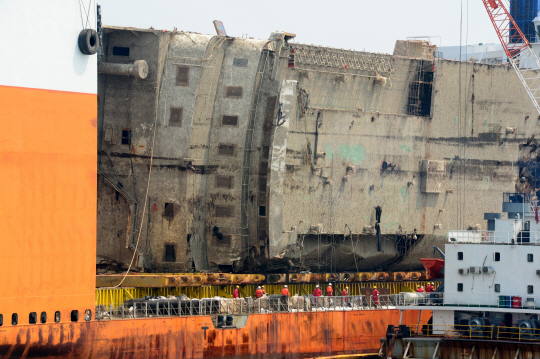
column 291, row 335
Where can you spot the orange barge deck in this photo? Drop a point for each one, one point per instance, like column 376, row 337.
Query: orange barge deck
column 291, row 335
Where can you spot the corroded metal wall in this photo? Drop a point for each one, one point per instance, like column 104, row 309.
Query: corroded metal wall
column 292, row 335
column 382, row 154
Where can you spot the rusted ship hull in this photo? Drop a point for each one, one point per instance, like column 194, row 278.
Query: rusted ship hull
column 292, row 335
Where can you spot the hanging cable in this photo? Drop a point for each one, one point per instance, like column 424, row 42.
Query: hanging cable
column 156, row 105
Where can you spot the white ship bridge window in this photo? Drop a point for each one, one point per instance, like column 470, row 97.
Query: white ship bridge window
column 460, row 287
column 530, row 289
column 497, row 288
column 497, row 256
column 460, row 256
column 530, row 257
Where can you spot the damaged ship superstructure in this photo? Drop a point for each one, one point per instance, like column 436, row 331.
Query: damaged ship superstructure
column 269, row 155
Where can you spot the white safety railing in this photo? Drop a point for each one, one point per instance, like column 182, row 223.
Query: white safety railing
column 242, row 306
column 496, row 300
column 491, row 237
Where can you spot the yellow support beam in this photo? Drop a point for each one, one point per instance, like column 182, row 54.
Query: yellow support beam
column 120, row 295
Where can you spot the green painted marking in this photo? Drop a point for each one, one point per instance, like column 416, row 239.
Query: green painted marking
column 405, row 148
column 486, row 183
column 404, row 194
column 355, row 153
column 329, row 151
column 390, row 225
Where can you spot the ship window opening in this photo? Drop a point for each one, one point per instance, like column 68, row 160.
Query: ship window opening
column 233, row 91
column 224, row 211
column 43, row 317
column 460, row 256
column 497, row 288
column 225, row 182
column 226, row 149
column 14, row 319
column 224, row 241
column 229, row 120
column 175, row 119
column 460, row 287
column 420, row 90
column 126, row 136
column 87, row 315
column 170, row 253
column 32, row 318
column 262, row 211
column 182, row 76
column 169, row 210
column 57, row 317
column 530, row 289
column 497, row 257
column 530, row 257
column 74, row 315
column 120, row 51
column 1, row 320
column 188, row 238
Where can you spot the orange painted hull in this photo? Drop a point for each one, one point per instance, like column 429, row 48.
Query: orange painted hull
column 294, row 335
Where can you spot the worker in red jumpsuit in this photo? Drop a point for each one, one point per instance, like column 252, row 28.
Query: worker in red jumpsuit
column 344, row 294
column 258, row 293
column 329, row 290
column 430, row 288
column 317, row 293
column 235, row 293
column 375, row 296
column 420, row 289
column 263, row 290
column 285, row 291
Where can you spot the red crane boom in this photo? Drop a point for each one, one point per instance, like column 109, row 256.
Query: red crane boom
column 517, row 48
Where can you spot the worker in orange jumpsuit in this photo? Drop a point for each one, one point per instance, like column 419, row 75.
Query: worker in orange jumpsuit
column 263, row 290
column 329, row 290
column 430, row 287
column 375, row 296
column 258, row 293
column 285, row 291
column 420, row 289
column 235, row 293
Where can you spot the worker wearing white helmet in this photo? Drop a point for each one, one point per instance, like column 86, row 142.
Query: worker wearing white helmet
column 317, row 292
column 329, row 290
column 258, row 292
column 285, row 291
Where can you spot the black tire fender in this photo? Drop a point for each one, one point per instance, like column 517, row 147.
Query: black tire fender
column 88, row 41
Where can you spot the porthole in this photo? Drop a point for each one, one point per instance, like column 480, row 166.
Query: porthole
column 14, row 319
column 57, row 317
column 32, row 318
column 74, row 315
column 87, row 315
column 43, row 318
